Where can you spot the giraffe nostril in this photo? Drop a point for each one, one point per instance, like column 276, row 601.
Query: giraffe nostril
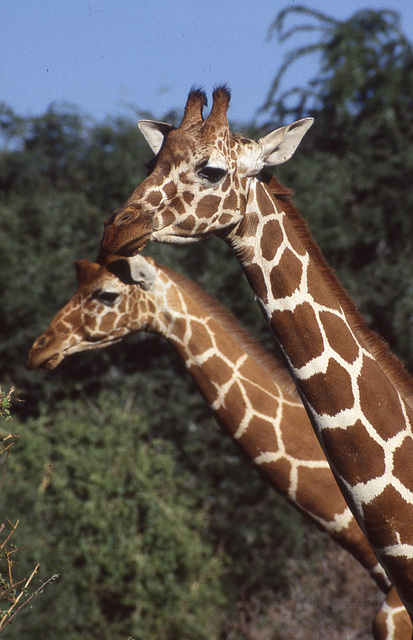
column 118, row 216
column 122, row 217
column 41, row 342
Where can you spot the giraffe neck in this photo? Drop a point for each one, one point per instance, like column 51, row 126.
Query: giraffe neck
column 357, row 394
column 254, row 402
column 312, row 318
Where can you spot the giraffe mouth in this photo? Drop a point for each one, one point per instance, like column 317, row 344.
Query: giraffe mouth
column 133, row 247
column 127, row 250
column 52, row 362
column 49, row 363
column 42, row 361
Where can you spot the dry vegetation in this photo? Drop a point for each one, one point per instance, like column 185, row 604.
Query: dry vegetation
column 330, row 596
column 15, row 593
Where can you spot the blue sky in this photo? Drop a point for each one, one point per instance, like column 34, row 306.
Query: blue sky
column 117, row 57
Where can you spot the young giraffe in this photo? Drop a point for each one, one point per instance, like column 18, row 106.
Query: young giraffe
column 359, row 397
column 251, row 393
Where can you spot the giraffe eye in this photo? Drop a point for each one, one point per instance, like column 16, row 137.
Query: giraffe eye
column 212, row 174
column 105, row 297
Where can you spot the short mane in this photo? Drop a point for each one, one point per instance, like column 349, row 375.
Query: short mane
column 391, row 365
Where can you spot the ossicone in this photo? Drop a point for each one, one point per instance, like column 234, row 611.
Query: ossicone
column 193, row 109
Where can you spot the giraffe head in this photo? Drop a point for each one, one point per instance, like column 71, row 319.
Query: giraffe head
column 106, row 307
column 201, row 179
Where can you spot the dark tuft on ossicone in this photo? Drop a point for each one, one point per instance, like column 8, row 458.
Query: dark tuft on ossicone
column 222, row 90
column 193, row 109
column 198, row 94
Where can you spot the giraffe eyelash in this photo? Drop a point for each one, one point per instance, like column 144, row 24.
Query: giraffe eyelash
column 105, row 297
column 210, row 173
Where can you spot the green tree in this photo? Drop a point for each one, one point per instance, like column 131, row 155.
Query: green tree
column 106, row 506
column 355, row 56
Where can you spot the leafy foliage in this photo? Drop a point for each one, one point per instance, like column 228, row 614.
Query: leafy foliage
column 355, row 57
column 107, row 505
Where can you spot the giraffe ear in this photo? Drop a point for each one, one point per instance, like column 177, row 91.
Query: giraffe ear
column 155, row 133
column 280, row 145
column 142, row 271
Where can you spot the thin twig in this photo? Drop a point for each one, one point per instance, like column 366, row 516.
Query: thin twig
column 6, row 450
column 55, row 576
column 4, row 593
column 28, row 581
column 14, row 527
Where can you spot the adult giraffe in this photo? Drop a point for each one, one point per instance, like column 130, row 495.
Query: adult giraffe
column 251, row 393
column 209, row 181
